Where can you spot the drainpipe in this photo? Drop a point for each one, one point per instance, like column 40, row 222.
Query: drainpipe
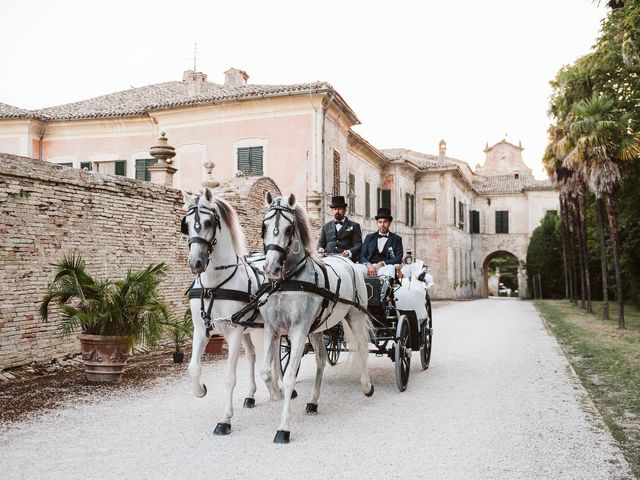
column 40, row 145
column 325, row 107
column 415, row 223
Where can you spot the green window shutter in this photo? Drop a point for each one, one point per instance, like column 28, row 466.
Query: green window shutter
column 142, row 168
column 367, row 200
column 502, row 221
column 455, row 206
column 66, row 164
column 255, row 161
column 385, row 198
column 407, row 213
column 121, row 168
column 475, row 221
column 413, row 210
column 86, row 165
column 250, row 161
column 378, row 195
column 244, row 165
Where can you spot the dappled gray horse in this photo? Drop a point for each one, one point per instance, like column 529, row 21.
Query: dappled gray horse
column 224, row 284
column 304, row 301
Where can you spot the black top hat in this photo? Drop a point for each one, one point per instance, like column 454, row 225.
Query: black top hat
column 384, row 213
column 338, row 202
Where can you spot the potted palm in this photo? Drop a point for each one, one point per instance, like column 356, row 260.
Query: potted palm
column 112, row 315
column 179, row 330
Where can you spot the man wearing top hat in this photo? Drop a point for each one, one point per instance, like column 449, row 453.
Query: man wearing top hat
column 381, row 250
column 341, row 235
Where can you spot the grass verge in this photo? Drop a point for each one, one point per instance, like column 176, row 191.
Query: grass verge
column 607, row 360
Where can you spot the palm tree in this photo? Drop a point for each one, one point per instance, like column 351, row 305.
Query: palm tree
column 602, row 139
column 130, row 307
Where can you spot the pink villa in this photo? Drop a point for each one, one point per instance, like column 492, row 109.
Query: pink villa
column 300, row 135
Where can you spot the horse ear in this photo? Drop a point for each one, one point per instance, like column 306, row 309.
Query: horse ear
column 207, row 194
column 292, row 200
column 268, row 199
column 187, row 199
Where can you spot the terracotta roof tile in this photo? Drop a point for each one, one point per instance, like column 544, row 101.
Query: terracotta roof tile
column 8, row 111
column 138, row 101
column 510, row 184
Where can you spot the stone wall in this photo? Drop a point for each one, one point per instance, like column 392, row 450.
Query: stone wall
column 115, row 223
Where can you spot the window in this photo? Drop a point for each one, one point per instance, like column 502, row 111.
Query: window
column 502, row 221
column 336, row 172
column 351, row 194
column 455, row 206
column 461, row 215
column 475, row 221
column 384, row 198
column 409, row 205
column 86, row 166
column 250, row 161
column 142, row 168
column 367, row 200
column 121, row 168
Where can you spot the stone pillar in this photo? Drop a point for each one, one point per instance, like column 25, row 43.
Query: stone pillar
column 209, row 181
column 162, row 172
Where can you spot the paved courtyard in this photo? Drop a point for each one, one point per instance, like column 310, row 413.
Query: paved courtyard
column 498, row 402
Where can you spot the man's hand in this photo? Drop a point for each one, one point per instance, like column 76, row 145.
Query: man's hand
column 346, row 253
column 370, row 269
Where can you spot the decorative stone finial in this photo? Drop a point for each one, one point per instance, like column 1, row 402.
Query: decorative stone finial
column 163, row 152
column 209, row 181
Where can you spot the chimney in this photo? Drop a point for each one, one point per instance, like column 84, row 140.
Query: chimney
column 195, row 81
column 442, row 151
column 235, row 78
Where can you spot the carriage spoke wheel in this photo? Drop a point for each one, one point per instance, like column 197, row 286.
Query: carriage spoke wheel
column 402, row 353
column 333, row 342
column 426, row 337
column 285, row 353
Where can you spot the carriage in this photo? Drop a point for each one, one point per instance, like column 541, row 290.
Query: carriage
column 398, row 331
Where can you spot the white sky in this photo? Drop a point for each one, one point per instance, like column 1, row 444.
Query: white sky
column 414, row 72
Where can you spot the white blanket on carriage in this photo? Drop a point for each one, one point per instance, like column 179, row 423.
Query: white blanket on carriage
column 412, row 293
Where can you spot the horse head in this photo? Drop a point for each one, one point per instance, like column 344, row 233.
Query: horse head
column 201, row 223
column 279, row 234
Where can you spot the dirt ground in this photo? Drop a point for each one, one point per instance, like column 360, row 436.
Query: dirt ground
column 36, row 389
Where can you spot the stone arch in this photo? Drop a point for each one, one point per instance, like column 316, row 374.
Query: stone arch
column 485, row 272
column 246, row 195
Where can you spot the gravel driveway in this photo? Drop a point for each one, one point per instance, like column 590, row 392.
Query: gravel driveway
column 498, row 402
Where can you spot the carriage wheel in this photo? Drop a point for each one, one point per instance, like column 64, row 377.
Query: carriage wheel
column 285, row 353
column 402, row 353
column 426, row 337
column 333, row 342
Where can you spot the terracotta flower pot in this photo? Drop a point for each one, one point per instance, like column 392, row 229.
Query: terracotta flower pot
column 104, row 357
column 215, row 345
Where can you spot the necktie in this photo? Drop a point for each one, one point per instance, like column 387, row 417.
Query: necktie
column 383, row 236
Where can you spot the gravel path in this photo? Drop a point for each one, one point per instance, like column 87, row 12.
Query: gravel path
column 499, row 402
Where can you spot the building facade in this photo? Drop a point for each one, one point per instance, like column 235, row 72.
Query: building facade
column 301, row 136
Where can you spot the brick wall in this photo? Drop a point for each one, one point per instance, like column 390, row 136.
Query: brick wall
column 113, row 222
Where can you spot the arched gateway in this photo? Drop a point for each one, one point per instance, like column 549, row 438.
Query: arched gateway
column 520, row 281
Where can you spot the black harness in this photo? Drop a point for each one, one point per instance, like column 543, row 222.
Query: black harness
column 218, row 293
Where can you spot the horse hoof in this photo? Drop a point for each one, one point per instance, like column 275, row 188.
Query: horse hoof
column 312, row 409
column 222, row 429
column 249, row 403
column 370, row 391
column 282, row 436
column 204, row 388
column 294, row 394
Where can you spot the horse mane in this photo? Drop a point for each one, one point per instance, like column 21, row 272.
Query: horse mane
column 302, row 223
column 229, row 216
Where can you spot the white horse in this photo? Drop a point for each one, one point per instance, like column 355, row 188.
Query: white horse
column 298, row 309
column 216, row 255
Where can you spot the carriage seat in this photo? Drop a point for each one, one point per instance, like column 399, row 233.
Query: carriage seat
column 379, row 289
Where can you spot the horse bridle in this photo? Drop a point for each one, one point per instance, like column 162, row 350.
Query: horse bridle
column 280, row 210
column 197, row 225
